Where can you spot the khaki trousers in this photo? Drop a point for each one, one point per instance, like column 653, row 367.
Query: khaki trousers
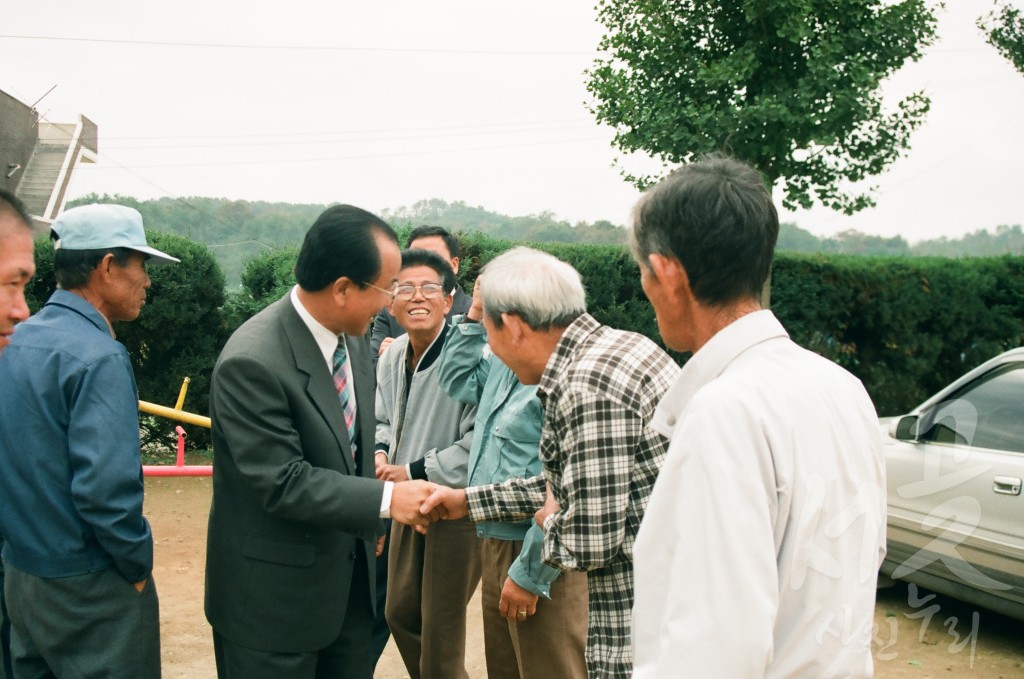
column 431, row 579
column 550, row 643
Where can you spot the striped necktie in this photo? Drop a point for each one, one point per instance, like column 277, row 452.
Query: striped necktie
column 348, row 404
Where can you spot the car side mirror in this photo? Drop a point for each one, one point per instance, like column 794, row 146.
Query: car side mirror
column 905, row 428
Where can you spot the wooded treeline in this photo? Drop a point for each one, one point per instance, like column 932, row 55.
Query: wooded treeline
column 237, row 230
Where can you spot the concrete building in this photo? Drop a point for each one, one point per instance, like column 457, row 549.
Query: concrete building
column 38, row 158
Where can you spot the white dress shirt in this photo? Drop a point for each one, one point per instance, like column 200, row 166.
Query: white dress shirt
column 327, row 342
column 759, row 551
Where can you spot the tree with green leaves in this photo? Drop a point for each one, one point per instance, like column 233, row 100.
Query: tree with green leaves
column 789, row 86
column 1004, row 30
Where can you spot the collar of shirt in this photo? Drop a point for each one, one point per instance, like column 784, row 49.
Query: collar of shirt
column 326, row 340
column 83, row 307
column 711, row 360
column 575, row 333
column 430, row 355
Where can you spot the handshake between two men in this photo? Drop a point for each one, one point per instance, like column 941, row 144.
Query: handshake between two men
column 419, row 503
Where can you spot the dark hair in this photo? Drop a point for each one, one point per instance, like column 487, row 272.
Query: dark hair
column 72, row 268
column 11, row 204
column 341, row 243
column 450, row 241
column 417, row 257
column 717, row 218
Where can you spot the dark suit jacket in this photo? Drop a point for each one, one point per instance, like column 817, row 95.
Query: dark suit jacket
column 288, row 507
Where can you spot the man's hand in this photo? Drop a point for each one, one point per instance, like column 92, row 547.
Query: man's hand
column 384, row 344
column 380, row 544
column 476, row 309
column 392, row 472
column 406, row 499
column 140, row 585
column 549, row 508
column 516, row 604
column 445, row 503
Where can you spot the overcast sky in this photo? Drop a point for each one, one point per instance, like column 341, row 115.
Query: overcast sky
column 384, row 104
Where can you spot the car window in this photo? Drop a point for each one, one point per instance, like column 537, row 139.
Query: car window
column 987, row 413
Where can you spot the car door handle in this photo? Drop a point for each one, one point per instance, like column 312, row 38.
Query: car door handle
column 1007, row 485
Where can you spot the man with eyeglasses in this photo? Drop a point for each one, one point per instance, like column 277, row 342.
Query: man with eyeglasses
column 296, row 508
column 422, row 433
column 385, row 329
column 438, row 240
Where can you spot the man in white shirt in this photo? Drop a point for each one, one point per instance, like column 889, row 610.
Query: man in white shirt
column 758, row 554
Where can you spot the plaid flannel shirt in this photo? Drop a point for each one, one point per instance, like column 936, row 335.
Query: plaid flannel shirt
column 601, row 458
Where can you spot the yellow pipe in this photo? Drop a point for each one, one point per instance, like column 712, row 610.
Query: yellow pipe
column 181, row 393
column 174, row 414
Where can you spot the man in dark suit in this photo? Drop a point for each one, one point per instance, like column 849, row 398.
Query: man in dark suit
column 296, row 508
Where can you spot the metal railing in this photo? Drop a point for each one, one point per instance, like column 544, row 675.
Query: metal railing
column 176, row 413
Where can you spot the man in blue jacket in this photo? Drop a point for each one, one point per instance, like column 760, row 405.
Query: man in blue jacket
column 78, row 552
column 535, row 620
column 17, row 266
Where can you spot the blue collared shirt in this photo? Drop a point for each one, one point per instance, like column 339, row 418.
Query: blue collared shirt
column 71, row 483
column 505, row 440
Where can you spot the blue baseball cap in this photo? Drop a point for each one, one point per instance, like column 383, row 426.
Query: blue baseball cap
column 99, row 227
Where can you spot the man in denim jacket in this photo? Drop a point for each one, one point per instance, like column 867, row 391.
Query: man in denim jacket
column 535, row 622
column 79, row 552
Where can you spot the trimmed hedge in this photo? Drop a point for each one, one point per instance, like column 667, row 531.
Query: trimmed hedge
column 905, row 326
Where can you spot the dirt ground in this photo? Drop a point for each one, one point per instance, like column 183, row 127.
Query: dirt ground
column 918, row 635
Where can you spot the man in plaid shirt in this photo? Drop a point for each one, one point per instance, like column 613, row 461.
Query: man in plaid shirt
column 599, row 388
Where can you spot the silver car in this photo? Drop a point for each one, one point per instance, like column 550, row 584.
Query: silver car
column 955, row 465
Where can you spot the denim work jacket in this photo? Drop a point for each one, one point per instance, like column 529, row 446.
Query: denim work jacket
column 71, row 490
column 506, row 438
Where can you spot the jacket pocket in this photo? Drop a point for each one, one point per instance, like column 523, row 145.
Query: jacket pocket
column 274, row 551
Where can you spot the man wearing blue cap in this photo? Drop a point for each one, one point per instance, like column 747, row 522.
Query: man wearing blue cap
column 78, row 552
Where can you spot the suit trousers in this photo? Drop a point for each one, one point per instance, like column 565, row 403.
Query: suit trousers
column 431, row 579
column 91, row 625
column 345, row 658
column 550, row 643
column 381, row 631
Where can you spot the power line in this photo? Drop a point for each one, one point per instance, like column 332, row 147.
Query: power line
column 953, row 154
column 368, row 156
column 353, row 140
column 303, row 48
column 485, row 126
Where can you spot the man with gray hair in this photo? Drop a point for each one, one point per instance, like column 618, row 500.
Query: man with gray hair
column 599, row 388
column 759, row 551
column 79, row 552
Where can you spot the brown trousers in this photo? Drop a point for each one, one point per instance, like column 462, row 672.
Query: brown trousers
column 431, row 579
column 550, row 643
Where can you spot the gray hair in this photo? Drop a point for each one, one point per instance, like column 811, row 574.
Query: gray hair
column 541, row 289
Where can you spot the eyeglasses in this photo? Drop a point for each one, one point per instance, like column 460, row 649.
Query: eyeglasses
column 428, row 290
column 390, row 293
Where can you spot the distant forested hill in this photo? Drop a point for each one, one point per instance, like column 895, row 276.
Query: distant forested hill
column 981, row 243
column 236, row 229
